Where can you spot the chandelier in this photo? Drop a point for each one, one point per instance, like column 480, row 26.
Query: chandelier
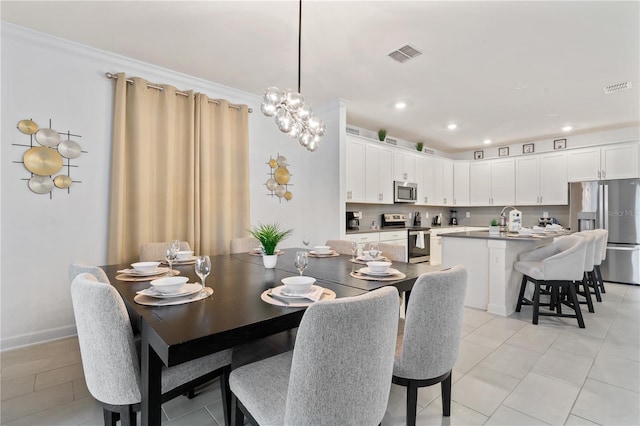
column 292, row 115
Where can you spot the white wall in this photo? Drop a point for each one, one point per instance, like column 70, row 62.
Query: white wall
column 47, row 78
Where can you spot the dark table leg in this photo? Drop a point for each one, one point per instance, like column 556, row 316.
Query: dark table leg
column 151, row 378
column 407, row 294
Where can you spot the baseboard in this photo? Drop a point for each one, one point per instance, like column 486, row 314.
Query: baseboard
column 37, row 337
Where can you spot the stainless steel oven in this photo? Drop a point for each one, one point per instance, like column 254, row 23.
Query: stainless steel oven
column 418, row 247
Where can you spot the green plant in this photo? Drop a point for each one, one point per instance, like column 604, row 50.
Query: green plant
column 419, row 146
column 494, row 222
column 382, row 134
column 269, row 235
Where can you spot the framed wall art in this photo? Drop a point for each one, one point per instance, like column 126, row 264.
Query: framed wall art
column 559, row 144
column 478, row 155
column 528, row 148
column 503, row 152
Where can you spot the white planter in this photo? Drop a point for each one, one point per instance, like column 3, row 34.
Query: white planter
column 494, row 230
column 270, row 261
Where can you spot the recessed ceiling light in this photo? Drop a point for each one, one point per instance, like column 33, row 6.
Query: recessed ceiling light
column 567, row 128
column 400, row 105
column 521, row 86
column 452, row 126
column 553, row 114
column 486, row 141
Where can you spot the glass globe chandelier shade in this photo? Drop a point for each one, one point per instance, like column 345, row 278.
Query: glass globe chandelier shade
column 291, row 114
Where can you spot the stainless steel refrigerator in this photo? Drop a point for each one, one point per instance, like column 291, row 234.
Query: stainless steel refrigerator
column 613, row 205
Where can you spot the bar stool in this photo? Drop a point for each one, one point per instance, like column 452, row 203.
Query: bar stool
column 589, row 281
column 556, row 267
column 600, row 255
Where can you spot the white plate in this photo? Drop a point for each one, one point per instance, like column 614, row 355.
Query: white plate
column 370, row 259
column 133, row 272
column 331, row 252
column 388, row 272
column 280, row 291
column 185, row 290
column 188, row 259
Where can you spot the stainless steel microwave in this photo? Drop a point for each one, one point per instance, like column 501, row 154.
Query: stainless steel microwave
column 405, row 192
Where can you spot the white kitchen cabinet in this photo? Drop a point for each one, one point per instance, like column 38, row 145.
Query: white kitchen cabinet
column 355, row 169
column 425, row 171
column 492, row 183
column 378, row 181
column 441, row 182
column 364, row 237
column 404, row 166
column 542, row 179
column 461, row 183
column 435, row 250
column 619, row 161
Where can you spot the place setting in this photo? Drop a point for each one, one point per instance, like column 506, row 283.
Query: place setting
column 144, row 271
column 183, row 257
column 378, row 271
column 297, row 291
column 323, row 251
column 174, row 290
column 372, row 255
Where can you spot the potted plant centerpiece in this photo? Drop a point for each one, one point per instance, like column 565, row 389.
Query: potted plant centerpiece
column 269, row 236
column 494, row 229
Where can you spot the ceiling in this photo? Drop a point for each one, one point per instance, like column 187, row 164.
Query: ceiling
column 507, row 71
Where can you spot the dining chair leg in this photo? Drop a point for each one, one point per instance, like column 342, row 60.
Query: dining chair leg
column 412, row 403
column 127, row 416
column 594, row 283
column 110, row 418
column 238, row 416
column 587, row 291
column 446, row 396
column 599, row 276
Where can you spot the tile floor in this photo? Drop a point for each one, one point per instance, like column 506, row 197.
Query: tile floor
column 509, row 372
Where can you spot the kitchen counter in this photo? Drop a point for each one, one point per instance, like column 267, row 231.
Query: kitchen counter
column 493, row 283
column 388, row 229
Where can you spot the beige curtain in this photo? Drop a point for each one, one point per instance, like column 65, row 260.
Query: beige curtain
column 160, row 170
column 222, row 170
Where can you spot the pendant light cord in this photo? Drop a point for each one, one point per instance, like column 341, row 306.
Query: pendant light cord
column 299, row 41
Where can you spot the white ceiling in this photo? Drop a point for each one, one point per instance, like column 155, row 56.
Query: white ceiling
column 474, row 55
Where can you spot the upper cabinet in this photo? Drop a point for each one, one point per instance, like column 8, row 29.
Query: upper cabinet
column 369, row 172
column 618, row 161
column 542, row 179
column 404, row 166
column 355, row 169
column 378, row 180
column 435, row 181
column 461, row 183
column 492, row 182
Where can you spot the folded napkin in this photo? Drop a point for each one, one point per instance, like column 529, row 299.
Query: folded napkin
column 420, row 240
column 314, row 295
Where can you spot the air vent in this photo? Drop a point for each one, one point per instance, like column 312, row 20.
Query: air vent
column 352, row 131
column 429, row 151
column 391, row 141
column 404, row 54
column 617, row 87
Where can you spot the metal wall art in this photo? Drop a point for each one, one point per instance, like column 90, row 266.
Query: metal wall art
column 48, row 158
column 279, row 176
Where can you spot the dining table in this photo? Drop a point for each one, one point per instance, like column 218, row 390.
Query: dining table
column 234, row 314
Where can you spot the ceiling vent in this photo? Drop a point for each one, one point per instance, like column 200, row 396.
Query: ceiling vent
column 404, row 54
column 617, row 87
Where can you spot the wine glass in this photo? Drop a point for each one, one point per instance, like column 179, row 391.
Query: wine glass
column 171, row 254
column 306, row 239
column 354, row 249
column 302, row 260
column 374, row 250
column 203, row 268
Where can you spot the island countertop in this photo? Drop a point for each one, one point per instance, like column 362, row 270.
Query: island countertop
column 502, row 236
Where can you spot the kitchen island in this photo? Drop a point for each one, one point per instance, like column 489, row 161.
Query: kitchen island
column 493, row 283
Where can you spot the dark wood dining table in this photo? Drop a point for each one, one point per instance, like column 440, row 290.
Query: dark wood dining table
column 234, row 314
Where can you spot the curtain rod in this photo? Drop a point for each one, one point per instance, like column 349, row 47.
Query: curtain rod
column 153, row 86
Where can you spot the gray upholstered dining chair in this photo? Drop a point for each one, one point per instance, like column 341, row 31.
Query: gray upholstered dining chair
column 339, row 372
column 110, row 361
column 558, row 266
column 395, row 252
column 428, row 346
column 77, row 268
column 341, row 246
column 588, row 280
column 157, row 251
column 599, row 255
column 243, row 245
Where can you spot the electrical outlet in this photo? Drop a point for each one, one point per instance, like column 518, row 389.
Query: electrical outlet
column 545, row 214
column 468, row 214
